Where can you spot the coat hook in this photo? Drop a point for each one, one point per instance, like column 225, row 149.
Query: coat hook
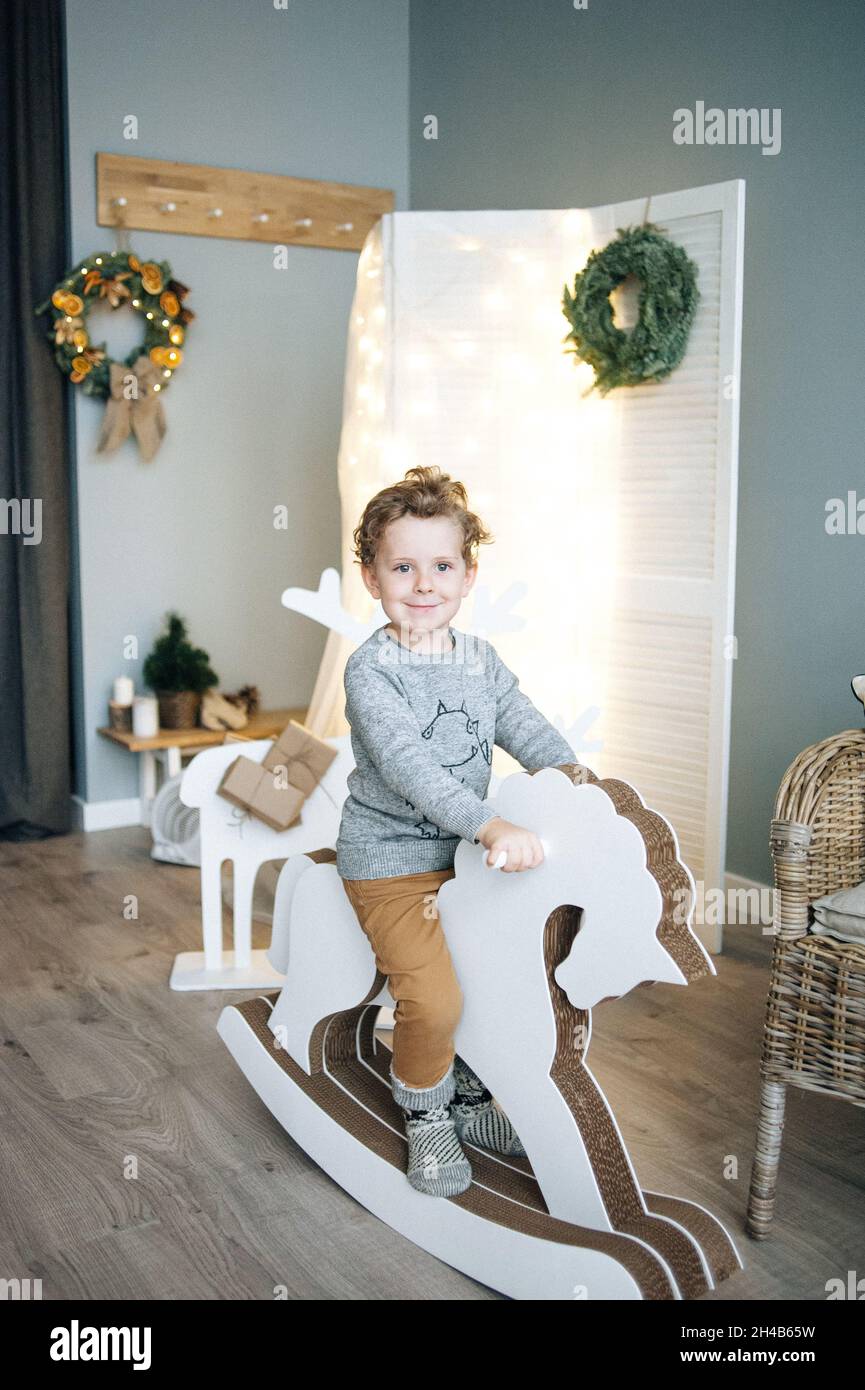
column 345, row 227
column 261, row 217
column 303, row 222
column 167, row 207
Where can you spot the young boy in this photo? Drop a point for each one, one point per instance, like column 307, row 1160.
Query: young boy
column 426, row 705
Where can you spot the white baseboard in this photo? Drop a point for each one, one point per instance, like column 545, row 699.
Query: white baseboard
column 106, row 815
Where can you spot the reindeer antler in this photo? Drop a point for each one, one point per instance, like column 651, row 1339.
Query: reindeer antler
column 324, row 605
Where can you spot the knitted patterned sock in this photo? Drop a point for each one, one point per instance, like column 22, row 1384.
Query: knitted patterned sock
column 436, row 1162
column 477, row 1117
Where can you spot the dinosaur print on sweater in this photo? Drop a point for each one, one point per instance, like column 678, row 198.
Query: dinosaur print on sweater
column 459, row 739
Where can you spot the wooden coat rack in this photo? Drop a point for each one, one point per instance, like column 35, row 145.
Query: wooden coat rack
column 156, row 195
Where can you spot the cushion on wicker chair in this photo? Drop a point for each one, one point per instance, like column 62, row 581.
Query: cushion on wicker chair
column 841, row 914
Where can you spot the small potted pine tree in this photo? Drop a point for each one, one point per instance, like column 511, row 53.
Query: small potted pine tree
column 178, row 674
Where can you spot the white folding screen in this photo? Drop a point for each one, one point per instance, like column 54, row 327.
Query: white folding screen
column 614, row 517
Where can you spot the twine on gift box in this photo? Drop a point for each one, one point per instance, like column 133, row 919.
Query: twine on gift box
column 238, row 815
column 300, row 760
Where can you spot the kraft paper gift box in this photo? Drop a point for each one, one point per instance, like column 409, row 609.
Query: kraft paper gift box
column 255, row 789
column 275, row 804
column 304, row 757
column 297, row 759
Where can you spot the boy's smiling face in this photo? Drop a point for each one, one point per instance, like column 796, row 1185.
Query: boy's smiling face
column 421, row 578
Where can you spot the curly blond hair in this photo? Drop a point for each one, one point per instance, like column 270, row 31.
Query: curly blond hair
column 422, row 492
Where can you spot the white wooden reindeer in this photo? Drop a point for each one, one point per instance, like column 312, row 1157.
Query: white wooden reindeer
column 535, row 952
column 227, row 833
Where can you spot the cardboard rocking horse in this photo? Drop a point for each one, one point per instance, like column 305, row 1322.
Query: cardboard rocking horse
column 534, row 952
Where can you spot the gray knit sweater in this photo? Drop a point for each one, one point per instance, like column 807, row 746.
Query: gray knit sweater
column 423, row 728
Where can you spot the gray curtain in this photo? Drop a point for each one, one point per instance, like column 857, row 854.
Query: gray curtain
column 34, row 448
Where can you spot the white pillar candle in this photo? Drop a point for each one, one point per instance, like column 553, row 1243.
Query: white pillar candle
column 145, row 716
column 124, row 690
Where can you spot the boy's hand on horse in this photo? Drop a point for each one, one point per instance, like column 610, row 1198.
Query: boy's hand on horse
column 523, row 848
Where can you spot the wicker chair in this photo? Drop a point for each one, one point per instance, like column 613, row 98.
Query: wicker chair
column 814, row 1034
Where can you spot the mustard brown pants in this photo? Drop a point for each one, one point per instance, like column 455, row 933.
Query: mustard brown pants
column 400, row 919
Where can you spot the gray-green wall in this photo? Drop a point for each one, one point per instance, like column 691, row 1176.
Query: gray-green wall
column 541, row 105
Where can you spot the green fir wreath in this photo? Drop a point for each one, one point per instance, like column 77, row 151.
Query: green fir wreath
column 668, row 302
column 116, row 278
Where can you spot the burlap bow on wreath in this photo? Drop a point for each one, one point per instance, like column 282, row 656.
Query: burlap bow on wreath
column 134, row 407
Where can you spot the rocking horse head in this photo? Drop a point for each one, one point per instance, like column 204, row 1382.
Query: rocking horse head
column 535, row 951
column 610, row 860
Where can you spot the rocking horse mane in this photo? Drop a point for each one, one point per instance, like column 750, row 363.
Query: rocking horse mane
column 667, row 869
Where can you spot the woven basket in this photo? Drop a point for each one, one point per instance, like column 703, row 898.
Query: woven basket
column 178, row 709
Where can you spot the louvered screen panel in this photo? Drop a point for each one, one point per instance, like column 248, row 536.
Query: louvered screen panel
column 656, row 720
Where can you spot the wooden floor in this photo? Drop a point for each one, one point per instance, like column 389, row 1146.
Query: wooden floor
column 136, row 1162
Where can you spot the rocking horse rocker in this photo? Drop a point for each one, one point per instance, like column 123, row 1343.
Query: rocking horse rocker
column 534, row 952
